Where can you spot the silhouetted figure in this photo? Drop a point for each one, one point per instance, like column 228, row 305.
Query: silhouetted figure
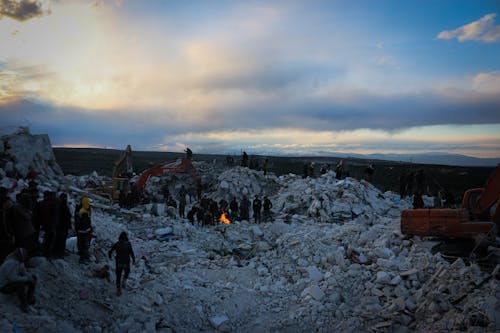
column 62, row 227
column 409, row 183
column 189, row 153
column 402, row 185
column 420, row 181
column 310, row 169
column 449, row 199
column 7, row 238
column 267, row 205
column 369, row 171
column 22, row 218
column 244, row 159
column 245, row 209
column 233, row 207
column 124, row 252
column 214, row 211
column 257, row 207
column 46, row 218
column 418, row 202
column 182, row 203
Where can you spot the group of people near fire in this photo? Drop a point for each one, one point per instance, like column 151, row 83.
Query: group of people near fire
column 30, row 227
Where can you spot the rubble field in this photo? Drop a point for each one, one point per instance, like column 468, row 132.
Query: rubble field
column 332, row 259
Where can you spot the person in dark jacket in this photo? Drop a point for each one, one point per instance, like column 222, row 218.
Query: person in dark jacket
column 244, row 160
column 83, row 228
column 24, row 231
column 257, row 207
column 233, row 207
column 124, row 252
column 7, row 238
column 418, row 202
column 267, row 208
column 245, row 209
column 62, row 227
column 46, row 215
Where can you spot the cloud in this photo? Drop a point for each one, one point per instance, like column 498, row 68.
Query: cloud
column 484, row 30
column 21, row 10
column 488, row 82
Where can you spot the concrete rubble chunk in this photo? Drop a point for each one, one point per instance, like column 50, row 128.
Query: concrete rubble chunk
column 314, row 273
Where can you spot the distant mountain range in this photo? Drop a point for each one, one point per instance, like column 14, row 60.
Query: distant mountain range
column 428, row 158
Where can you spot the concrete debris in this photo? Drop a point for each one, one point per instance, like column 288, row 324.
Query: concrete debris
column 331, row 259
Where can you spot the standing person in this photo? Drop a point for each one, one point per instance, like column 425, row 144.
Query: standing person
column 244, row 159
column 267, row 208
column 310, row 169
column 402, row 185
column 124, row 252
column 14, row 278
column 418, row 202
column 64, row 224
column 233, row 207
column 7, row 238
column 45, row 216
column 22, row 218
column 189, row 153
column 257, row 207
column 245, row 209
column 409, row 183
column 182, row 203
column 214, row 211
column 198, row 188
column 369, row 171
column 339, row 169
column 83, row 227
column 420, row 181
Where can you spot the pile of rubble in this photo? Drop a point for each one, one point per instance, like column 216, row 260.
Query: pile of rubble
column 333, row 259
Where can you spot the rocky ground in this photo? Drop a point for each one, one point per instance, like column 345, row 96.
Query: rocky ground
column 332, row 260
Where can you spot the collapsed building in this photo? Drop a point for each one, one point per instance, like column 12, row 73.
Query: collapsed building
column 333, row 259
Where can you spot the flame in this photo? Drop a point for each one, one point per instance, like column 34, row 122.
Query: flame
column 224, row 219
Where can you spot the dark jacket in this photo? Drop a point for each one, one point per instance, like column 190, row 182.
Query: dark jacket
column 83, row 224
column 124, row 252
column 64, row 217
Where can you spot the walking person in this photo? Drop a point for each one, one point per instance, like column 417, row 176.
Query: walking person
column 124, row 252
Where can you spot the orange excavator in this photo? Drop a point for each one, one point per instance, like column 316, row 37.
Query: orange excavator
column 183, row 165
column 479, row 215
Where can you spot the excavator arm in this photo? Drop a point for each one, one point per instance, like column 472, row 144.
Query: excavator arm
column 490, row 194
column 126, row 157
column 177, row 166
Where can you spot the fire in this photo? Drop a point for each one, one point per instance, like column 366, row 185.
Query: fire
column 224, row 219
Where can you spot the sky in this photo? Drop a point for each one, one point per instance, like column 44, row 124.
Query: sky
column 268, row 77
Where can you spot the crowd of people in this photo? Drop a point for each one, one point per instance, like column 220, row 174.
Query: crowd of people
column 30, row 227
